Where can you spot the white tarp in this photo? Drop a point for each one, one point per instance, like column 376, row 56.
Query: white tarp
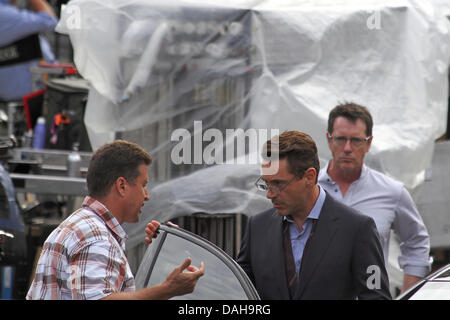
column 442, row 6
column 158, row 66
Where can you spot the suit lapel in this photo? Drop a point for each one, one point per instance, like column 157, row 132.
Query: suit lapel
column 325, row 230
column 275, row 249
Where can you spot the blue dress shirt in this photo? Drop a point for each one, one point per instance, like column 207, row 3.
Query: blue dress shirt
column 390, row 205
column 299, row 238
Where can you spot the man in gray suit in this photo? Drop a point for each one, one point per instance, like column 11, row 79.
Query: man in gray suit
column 309, row 246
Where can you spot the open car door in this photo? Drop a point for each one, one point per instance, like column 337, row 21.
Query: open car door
column 224, row 279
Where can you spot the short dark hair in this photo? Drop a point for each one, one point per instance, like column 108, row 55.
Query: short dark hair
column 351, row 111
column 298, row 148
column 113, row 160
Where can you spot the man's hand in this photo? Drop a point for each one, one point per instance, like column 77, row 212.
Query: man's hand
column 179, row 283
column 42, row 5
column 170, row 223
column 409, row 281
column 176, row 284
column 151, row 229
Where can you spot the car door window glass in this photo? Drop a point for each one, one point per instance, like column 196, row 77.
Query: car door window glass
column 218, row 282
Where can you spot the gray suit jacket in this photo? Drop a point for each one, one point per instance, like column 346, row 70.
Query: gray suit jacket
column 344, row 246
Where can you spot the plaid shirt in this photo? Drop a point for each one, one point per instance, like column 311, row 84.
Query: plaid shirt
column 83, row 258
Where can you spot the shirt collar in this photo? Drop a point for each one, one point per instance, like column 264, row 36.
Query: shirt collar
column 111, row 222
column 315, row 211
column 324, row 177
column 323, row 174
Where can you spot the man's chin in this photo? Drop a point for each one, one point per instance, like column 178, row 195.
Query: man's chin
column 281, row 211
column 348, row 167
column 135, row 218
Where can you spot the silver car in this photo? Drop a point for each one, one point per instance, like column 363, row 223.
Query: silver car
column 436, row 286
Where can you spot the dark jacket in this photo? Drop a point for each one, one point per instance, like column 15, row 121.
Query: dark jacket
column 345, row 244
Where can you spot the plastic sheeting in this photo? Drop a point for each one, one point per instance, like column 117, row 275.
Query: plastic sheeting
column 442, row 6
column 433, row 200
column 157, row 67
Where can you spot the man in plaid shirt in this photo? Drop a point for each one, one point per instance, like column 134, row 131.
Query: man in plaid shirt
column 84, row 257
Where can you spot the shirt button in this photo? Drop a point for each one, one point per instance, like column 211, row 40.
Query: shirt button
column 335, row 190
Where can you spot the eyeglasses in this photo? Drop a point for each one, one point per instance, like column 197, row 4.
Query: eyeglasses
column 342, row 141
column 275, row 187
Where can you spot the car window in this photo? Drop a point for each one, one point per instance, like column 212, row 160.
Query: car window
column 443, row 276
column 223, row 278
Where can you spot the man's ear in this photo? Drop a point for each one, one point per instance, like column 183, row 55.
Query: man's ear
column 327, row 136
column 369, row 143
column 120, row 185
column 311, row 174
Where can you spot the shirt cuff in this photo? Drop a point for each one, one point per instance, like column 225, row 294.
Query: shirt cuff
column 417, row 271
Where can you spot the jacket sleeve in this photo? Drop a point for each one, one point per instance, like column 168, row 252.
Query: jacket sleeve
column 369, row 272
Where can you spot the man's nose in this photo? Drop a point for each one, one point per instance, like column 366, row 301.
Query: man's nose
column 270, row 194
column 348, row 145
